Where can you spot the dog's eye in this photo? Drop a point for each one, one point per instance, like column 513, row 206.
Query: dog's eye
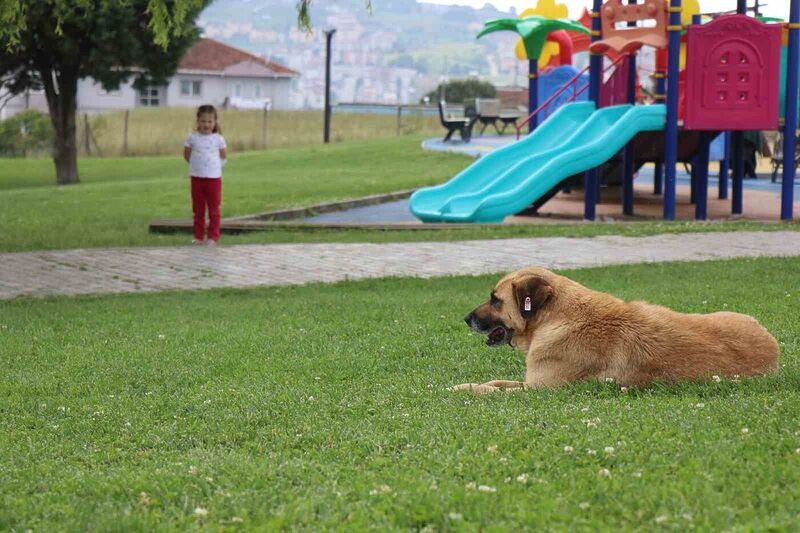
column 494, row 301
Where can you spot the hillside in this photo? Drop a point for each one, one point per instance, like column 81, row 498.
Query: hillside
column 394, row 52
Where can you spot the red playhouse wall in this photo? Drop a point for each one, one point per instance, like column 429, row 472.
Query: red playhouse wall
column 732, row 74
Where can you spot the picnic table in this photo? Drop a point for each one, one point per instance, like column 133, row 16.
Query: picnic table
column 777, row 156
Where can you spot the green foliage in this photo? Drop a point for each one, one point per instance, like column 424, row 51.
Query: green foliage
column 26, row 133
column 463, row 91
column 166, row 19
column 323, row 407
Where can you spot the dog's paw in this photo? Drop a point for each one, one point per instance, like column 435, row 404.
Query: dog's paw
column 476, row 388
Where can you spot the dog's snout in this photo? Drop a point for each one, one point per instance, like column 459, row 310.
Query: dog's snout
column 468, row 319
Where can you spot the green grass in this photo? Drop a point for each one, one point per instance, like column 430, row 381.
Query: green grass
column 119, row 197
column 323, row 407
column 161, row 131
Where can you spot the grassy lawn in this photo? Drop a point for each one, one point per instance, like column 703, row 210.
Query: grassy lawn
column 119, row 197
column 324, row 407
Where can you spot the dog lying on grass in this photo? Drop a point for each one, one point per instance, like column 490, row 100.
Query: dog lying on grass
column 569, row 332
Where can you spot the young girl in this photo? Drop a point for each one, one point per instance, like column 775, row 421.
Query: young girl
column 205, row 151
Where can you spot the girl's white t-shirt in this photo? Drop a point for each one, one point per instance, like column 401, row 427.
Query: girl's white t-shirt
column 204, row 162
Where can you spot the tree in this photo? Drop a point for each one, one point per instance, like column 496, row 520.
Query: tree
column 52, row 44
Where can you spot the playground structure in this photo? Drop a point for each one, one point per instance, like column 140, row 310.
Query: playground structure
column 740, row 74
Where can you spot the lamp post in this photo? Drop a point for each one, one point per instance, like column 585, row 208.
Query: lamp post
column 327, row 132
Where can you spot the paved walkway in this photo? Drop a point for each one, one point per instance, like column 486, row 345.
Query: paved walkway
column 74, row 272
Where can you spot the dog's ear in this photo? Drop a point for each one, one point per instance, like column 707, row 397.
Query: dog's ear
column 531, row 294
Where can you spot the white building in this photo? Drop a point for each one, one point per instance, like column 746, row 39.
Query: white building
column 211, row 72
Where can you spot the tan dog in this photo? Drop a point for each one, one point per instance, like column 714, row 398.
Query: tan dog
column 569, row 332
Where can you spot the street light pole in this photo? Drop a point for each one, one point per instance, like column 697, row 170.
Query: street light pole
column 327, row 133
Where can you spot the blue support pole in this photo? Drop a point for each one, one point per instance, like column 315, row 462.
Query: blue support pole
column 737, row 183
column 790, row 122
column 627, row 153
column 591, row 181
column 701, row 185
column 737, row 139
column 660, row 96
column 724, row 166
column 671, row 133
column 533, row 92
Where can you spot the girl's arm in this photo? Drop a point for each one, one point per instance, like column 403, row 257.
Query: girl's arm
column 223, row 153
column 187, row 152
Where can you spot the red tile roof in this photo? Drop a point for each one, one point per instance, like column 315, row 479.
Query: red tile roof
column 209, row 54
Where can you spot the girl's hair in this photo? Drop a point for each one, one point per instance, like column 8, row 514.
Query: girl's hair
column 210, row 109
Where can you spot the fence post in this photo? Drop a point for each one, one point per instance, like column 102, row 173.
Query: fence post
column 264, row 127
column 125, row 134
column 86, row 135
column 399, row 118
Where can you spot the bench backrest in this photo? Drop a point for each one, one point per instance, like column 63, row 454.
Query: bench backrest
column 487, row 106
column 451, row 111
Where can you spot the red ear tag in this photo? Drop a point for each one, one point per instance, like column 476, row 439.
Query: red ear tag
column 527, row 303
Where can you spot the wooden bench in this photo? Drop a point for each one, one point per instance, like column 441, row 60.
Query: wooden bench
column 453, row 118
column 490, row 112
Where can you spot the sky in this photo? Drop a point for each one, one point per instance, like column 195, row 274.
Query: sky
column 776, row 8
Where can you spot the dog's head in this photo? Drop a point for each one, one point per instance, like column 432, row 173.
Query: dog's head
column 515, row 308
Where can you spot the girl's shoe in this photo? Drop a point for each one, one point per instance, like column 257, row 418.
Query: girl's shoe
column 211, row 242
column 197, row 242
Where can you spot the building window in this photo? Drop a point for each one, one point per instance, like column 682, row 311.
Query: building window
column 190, row 88
column 237, row 90
column 258, row 91
column 150, row 96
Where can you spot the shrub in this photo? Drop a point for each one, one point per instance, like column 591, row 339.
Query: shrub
column 26, row 133
column 463, row 91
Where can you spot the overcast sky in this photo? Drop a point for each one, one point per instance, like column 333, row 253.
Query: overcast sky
column 776, row 8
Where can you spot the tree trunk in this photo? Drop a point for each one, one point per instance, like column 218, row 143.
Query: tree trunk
column 62, row 100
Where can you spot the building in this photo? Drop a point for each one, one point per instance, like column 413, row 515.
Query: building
column 211, row 72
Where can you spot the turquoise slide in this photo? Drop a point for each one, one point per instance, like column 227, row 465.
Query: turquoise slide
column 506, row 181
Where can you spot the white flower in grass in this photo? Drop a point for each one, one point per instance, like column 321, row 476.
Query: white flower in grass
column 604, row 472
column 745, row 431
column 609, row 380
column 585, row 410
column 637, row 474
column 470, row 486
column 492, row 448
column 236, row 520
column 486, row 488
column 583, row 505
column 716, row 378
column 623, row 389
column 700, row 405
column 160, row 336
column 193, row 470
column 522, row 478
column 380, row 489
column 609, row 450
column 661, row 519
column 200, row 512
column 144, row 499
column 455, row 516
column 797, row 450
column 568, row 449
column 590, row 451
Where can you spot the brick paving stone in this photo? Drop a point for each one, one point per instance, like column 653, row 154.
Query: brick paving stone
column 131, row 270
